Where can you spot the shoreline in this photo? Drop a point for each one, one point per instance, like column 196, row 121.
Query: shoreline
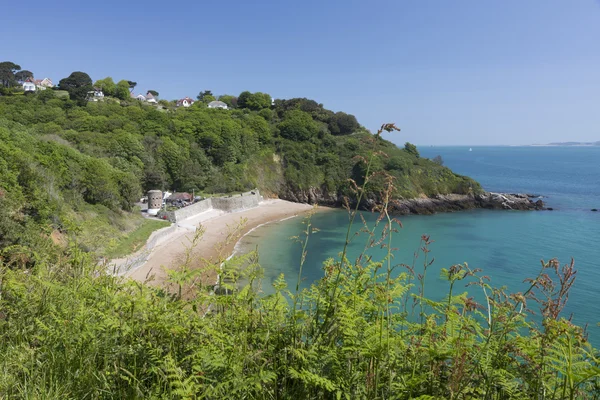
column 216, row 244
column 236, row 248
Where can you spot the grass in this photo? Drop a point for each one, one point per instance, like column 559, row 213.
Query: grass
column 136, row 239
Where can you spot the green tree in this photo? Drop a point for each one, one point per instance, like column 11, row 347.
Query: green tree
column 132, row 85
column 411, row 149
column 298, row 125
column 23, row 75
column 202, row 96
column 254, row 101
column 7, row 73
column 230, row 100
column 207, row 99
column 153, row 93
column 343, row 124
column 45, row 95
column 78, row 84
column 122, row 90
column 107, row 85
column 438, row 160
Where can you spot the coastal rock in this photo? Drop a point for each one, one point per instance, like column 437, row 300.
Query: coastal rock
column 424, row 205
column 508, row 201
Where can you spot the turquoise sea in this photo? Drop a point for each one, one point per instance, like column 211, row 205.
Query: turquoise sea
column 507, row 245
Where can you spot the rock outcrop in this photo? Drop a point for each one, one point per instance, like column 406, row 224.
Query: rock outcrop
column 425, row 205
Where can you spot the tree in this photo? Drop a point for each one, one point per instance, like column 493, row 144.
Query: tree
column 298, row 125
column 343, row 124
column 202, row 96
column 230, row 100
column 153, row 93
column 254, row 101
column 78, row 84
column 122, row 90
column 132, row 85
column 411, row 149
column 107, row 85
column 438, row 160
column 208, row 99
column 23, row 75
column 7, row 73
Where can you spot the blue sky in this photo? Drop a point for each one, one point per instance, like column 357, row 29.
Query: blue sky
column 447, row 72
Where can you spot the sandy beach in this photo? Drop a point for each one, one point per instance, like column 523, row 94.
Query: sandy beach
column 221, row 233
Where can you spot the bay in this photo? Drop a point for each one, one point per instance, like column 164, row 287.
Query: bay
column 507, row 245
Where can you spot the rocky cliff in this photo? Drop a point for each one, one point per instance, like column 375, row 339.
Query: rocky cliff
column 424, row 205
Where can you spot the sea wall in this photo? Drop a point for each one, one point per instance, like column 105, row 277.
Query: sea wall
column 137, row 259
column 231, row 203
column 160, row 236
column 192, row 210
column 236, row 202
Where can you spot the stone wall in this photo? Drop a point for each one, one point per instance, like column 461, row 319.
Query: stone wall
column 136, row 260
column 236, row 202
column 159, row 236
column 194, row 209
column 231, row 203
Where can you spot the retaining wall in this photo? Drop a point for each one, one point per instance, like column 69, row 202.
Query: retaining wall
column 194, row 209
column 235, row 203
column 228, row 204
column 159, row 236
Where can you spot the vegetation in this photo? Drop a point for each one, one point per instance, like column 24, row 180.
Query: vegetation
column 78, row 84
column 135, row 240
column 365, row 330
column 61, row 156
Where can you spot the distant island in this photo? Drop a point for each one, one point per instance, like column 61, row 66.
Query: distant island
column 570, row 144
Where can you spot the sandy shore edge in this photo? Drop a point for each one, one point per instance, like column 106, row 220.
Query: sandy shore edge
column 217, row 243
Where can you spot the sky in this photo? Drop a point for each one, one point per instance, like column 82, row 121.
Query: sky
column 460, row 72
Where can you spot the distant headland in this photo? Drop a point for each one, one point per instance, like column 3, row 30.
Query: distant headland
column 570, row 144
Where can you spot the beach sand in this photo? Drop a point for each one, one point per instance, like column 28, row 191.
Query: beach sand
column 216, row 243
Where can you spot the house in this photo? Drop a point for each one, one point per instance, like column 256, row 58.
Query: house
column 140, row 97
column 150, row 98
column 181, row 196
column 43, row 84
column 95, row 95
column 185, row 102
column 217, row 104
column 28, row 85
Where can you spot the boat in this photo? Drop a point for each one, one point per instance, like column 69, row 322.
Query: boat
column 470, row 149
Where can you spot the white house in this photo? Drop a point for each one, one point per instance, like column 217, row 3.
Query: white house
column 140, row 97
column 28, row 86
column 185, row 102
column 43, row 84
column 95, row 95
column 150, row 98
column 217, row 104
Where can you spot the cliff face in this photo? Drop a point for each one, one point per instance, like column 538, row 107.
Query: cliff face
column 426, row 205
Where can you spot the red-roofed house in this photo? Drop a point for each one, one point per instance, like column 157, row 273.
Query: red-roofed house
column 185, row 102
column 28, row 85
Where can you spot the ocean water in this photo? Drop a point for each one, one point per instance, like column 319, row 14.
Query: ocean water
column 507, row 245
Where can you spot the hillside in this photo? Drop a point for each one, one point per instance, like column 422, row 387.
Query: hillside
column 78, row 167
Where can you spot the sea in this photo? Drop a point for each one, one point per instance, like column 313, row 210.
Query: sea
column 507, row 245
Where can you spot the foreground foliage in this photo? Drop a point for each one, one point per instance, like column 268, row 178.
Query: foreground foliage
column 70, row 330
column 365, row 330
